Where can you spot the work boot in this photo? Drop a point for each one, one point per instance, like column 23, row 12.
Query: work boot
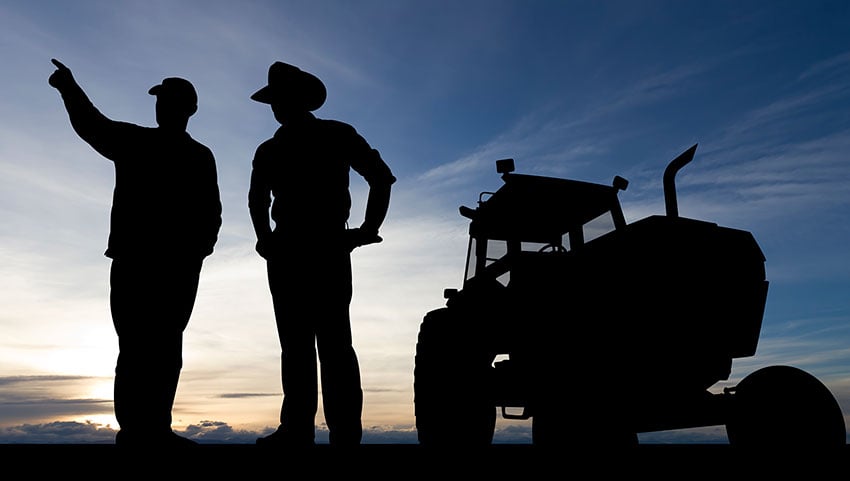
column 172, row 439
column 282, row 437
column 162, row 439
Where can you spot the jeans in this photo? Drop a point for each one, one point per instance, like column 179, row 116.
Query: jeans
column 151, row 302
column 311, row 297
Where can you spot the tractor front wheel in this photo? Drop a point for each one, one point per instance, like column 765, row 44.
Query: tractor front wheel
column 452, row 385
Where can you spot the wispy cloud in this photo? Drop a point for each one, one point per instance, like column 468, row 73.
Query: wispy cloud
column 840, row 62
column 783, row 115
column 561, row 139
column 44, row 397
column 238, row 395
column 10, row 380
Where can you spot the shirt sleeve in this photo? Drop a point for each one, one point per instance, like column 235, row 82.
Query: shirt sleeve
column 259, row 191
column 212, row 202
column 368, row 162
column 106, row 136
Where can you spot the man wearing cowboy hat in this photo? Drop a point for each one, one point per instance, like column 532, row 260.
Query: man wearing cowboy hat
column 300, row 181
column 165, row 219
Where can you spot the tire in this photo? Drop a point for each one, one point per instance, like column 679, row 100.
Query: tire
column 785, row 407
column 451, row 386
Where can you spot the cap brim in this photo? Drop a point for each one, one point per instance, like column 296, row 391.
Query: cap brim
column 155, row 89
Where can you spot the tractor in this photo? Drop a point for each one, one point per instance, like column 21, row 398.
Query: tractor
column 597, row 329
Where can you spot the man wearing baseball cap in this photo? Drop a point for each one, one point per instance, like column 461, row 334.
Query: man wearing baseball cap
column 165, row 219
column 300, row 181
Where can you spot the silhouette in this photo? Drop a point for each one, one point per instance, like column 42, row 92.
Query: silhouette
column 597, row 329
column 300, row 182
column 165, row 219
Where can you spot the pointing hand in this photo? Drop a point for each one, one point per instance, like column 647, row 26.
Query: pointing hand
column 61, row 77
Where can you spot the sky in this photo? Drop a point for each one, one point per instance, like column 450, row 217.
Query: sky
column 578, row 89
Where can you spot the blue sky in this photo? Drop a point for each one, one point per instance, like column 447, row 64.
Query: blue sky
column 578, row 89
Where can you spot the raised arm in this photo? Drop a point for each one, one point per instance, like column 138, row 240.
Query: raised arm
column 87, row 121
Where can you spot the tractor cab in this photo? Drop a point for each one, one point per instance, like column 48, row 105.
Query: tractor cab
column 532, row 213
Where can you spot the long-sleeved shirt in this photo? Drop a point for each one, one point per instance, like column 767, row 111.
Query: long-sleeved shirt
column 166, row 201
column 302, row 174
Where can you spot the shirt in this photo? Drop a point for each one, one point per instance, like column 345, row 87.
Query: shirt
column 302, row 174
column 166, row 200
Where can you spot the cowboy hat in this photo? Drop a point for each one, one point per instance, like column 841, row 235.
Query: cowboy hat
column 291, row 84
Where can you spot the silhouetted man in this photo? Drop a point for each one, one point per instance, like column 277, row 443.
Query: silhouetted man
column 166, row 215
column 305, row 169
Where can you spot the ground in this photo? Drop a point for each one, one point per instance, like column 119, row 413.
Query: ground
column 403, row 462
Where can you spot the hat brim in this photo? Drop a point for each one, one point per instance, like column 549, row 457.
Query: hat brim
column 264, row 95
column 302, row 89
column 269, row 95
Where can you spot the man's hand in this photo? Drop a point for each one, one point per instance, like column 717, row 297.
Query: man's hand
column 265, row 248
column 61, row 77
column 357, row 237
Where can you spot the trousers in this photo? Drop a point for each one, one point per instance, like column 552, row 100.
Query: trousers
column 311, row 296
column 151, row 302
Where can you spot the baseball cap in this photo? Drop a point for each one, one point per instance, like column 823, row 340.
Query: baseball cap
column 176, row 88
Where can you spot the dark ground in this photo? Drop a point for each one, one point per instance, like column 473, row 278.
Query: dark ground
column 405, row 461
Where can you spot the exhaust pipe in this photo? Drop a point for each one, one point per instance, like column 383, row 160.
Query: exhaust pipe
column 670, row 180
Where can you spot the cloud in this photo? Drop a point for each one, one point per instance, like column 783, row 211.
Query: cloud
column 831, row 66
column 10, row 380
column 771, row 120
column 57, row 433
column 205, row 432
column 217, row 432
column 564, row 140
column 240, row 395
column 44, row 397
column 706, row 435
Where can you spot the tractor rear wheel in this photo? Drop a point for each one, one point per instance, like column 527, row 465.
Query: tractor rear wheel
column 785, row 407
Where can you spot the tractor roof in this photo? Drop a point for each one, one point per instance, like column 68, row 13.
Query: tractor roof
column 539, row 209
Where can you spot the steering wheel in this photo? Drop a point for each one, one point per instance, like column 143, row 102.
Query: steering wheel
column 551, row 247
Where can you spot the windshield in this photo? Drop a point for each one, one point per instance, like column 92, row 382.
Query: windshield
column 494, row 250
